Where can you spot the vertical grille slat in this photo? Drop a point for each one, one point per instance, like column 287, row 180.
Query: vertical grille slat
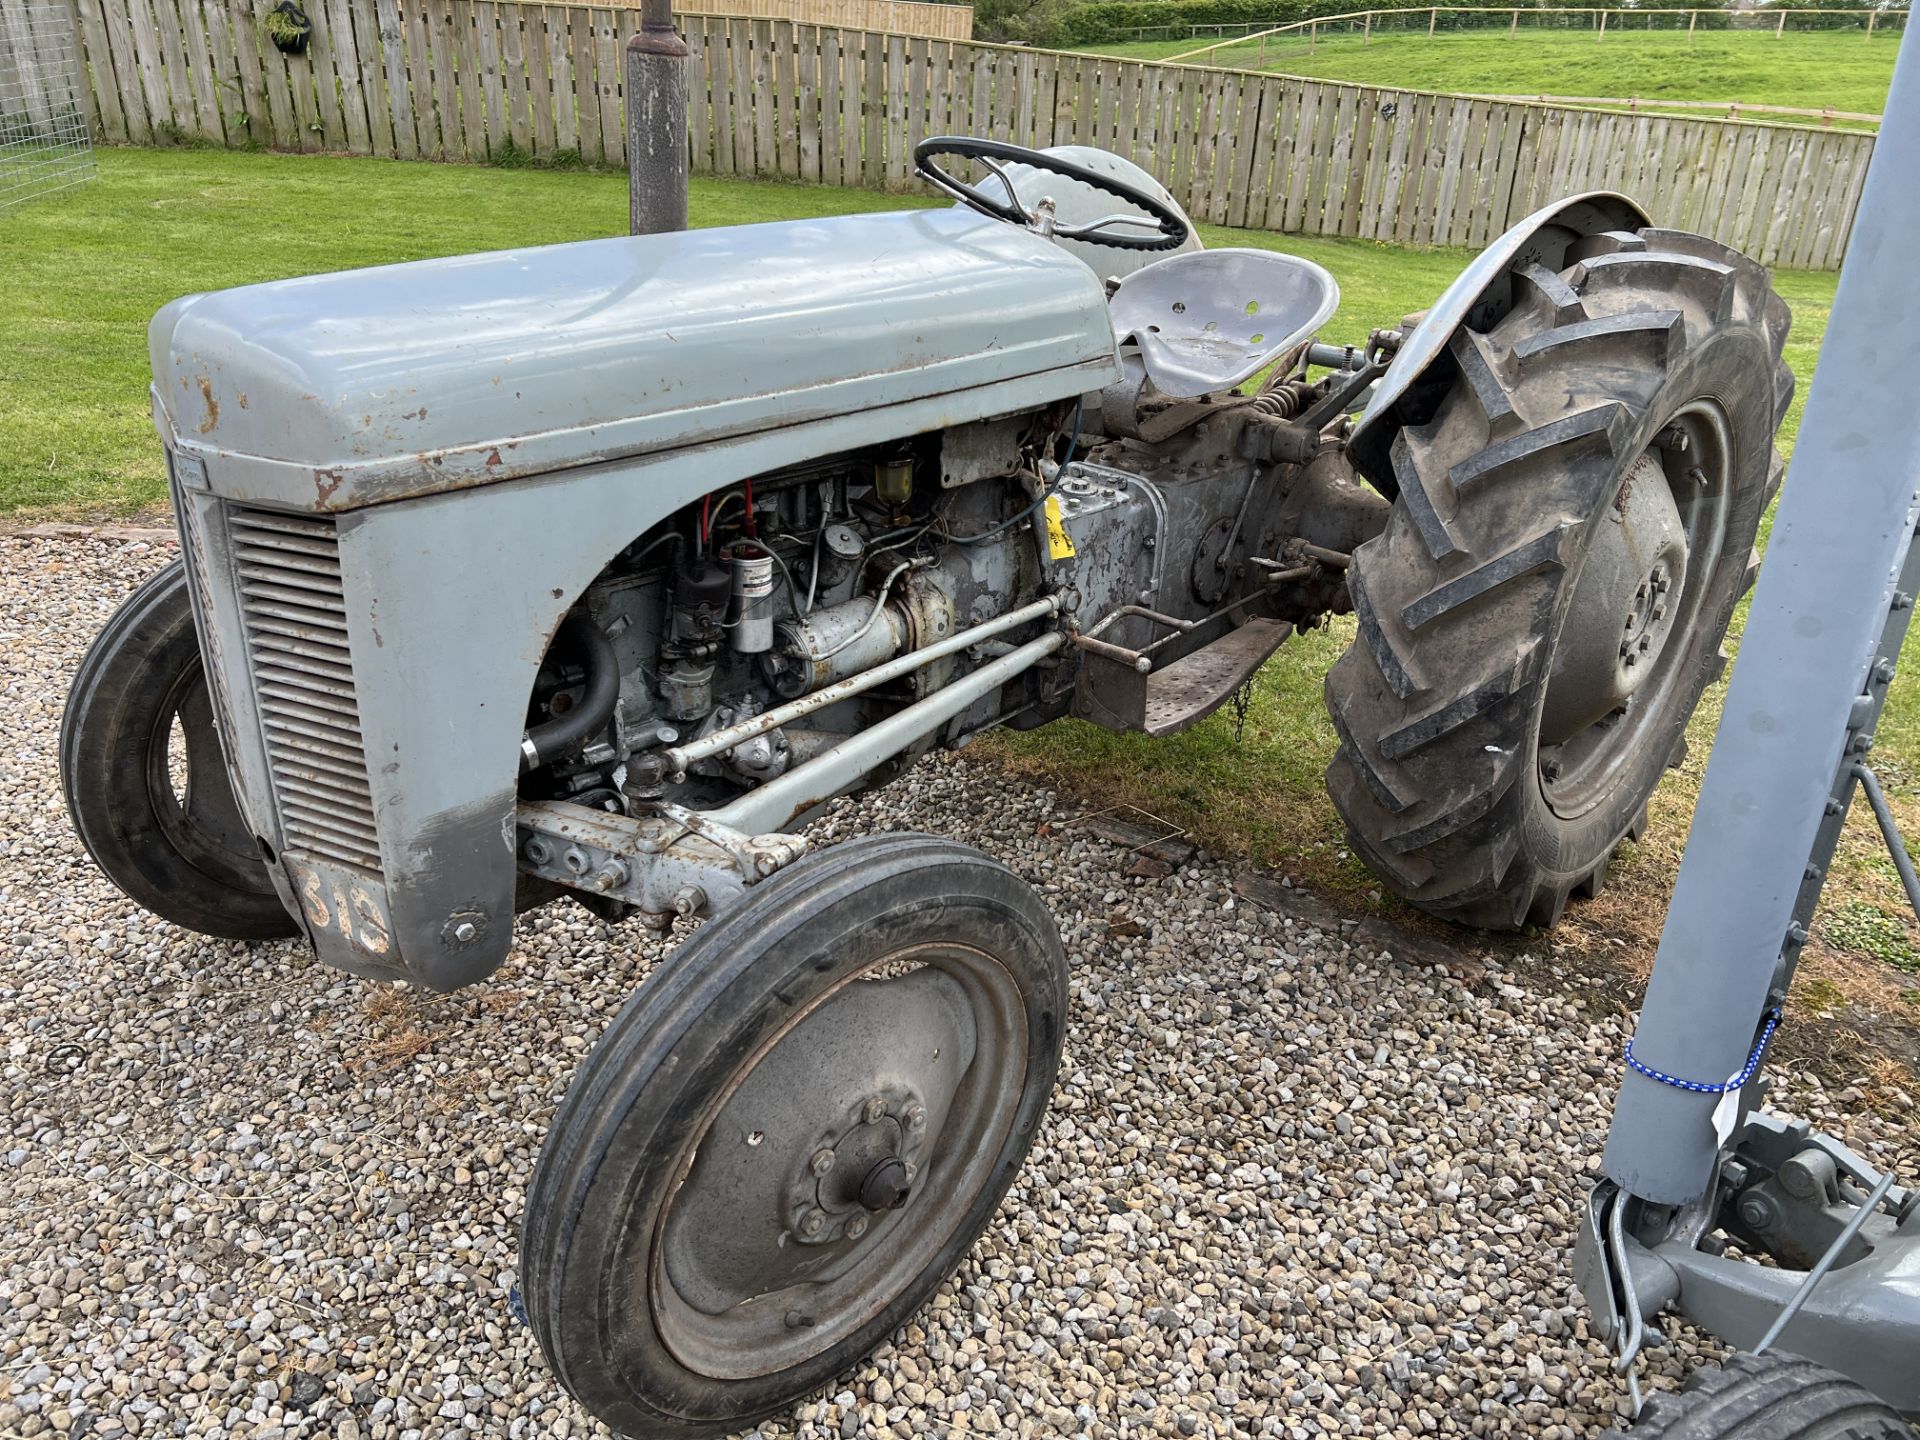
column 294, row 607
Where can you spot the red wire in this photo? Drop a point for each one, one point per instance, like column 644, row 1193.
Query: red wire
column 752, row 534
column 706, row 502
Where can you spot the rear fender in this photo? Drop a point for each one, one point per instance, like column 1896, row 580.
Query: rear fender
column 1423, row 370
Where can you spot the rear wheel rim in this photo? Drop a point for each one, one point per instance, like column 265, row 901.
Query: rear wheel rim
column 767, row 1253
column 1578, row 771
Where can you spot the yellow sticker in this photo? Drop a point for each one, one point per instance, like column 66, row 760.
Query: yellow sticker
column 1059, row 547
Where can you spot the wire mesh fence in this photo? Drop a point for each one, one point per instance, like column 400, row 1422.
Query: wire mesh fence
column 45, row 144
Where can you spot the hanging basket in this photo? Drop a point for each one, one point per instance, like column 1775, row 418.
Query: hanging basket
column 289, row 28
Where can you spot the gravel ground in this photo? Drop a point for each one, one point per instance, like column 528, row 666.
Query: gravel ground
column 1288, row 1186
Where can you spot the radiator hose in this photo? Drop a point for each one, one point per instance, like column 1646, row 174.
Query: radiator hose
column 552, row 737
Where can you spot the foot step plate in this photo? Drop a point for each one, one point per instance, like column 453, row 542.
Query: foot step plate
column 1192, row 688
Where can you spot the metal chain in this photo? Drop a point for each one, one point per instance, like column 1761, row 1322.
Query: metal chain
column 1242, row 702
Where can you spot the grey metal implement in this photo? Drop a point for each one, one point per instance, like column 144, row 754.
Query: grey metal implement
column 1803, row 682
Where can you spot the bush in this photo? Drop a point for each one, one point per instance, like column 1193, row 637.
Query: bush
column 1768, row 12
column 1060, row 22
column 1112, row 19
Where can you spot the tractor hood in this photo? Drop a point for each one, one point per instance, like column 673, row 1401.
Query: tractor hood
column 336, row 391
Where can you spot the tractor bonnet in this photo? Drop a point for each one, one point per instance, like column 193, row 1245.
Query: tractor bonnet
column 339, row 390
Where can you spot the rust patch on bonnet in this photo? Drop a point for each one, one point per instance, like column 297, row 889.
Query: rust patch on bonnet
column 325, row 482
column 213, row 405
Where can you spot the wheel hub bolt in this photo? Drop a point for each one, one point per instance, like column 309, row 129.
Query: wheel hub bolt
column 916, row 1117
column 856, row 1227
column 813, row 1222
column 886, row 1185
column 822, row 1162
column 876, row 1109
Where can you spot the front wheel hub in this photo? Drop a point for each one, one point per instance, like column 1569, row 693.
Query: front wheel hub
column 866, row 1168
column 886, row 1186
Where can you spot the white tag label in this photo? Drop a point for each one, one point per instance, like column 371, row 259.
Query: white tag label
column 1727, row 1113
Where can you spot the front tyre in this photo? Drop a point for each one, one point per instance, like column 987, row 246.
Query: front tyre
column 1546, row 604
column 145, row 784
column 792, row 1134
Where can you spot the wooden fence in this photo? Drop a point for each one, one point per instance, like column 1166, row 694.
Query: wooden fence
column 479, row 79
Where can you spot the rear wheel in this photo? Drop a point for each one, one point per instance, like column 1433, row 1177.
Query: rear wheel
column 145, row 783
column 793, row 1133
column 1546, row 603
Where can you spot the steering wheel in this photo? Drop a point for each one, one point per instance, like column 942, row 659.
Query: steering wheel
column 1165, row 228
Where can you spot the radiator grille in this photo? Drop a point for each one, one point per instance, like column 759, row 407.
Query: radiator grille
column 294, row 609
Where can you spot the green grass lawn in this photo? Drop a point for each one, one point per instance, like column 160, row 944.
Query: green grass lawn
column 81, row 273
column 1810, row 70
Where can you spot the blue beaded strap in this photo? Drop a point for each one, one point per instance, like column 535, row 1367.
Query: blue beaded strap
column 1738, row 1081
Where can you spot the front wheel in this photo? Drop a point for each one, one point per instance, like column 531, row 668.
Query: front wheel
column 1546, row 604
column 793, row 1133
column 145, row 784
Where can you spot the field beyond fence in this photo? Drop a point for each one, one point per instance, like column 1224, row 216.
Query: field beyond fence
column 500, row 80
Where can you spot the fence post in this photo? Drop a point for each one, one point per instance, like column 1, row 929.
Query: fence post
column 1433, row 19
column 1366, row 30
column 1781, row 28
column 1693, row 18
column 1603, row 26
column 1872, row 15
column 1513, row 30
column 1313, row 36
column 656, row 81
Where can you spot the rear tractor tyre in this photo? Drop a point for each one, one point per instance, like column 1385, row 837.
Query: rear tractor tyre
column 1546, row 603
column 793, row 1134
column 1767, row 1397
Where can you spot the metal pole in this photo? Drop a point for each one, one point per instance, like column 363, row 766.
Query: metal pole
column 1819, row 616
column 656, row 80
